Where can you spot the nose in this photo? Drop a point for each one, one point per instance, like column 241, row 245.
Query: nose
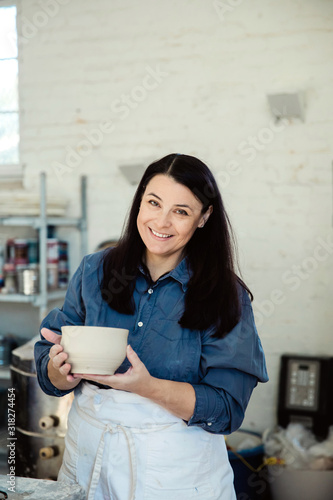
column 163, row 220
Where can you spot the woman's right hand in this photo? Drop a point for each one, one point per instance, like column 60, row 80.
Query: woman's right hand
column 57, row 363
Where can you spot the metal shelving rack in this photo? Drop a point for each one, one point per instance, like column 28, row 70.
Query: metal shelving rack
column 40, row 223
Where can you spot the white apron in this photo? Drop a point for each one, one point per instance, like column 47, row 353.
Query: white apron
column 121, row 446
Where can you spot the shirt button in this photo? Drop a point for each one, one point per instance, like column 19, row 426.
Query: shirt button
column 140, row 323
column 150, row 290
column 209, row 423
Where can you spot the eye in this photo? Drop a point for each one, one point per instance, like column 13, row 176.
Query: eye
column 153, row 203
column 181, row 212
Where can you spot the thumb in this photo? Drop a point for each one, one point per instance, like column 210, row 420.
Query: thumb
column 50, row 336
column 132, row 357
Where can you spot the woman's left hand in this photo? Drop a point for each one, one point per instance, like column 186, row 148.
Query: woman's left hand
column 137, row 379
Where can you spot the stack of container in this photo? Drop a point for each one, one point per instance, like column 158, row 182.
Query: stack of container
column 19, row 265
column 57, row 264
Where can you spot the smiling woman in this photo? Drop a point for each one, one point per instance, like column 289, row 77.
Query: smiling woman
column 155, row 428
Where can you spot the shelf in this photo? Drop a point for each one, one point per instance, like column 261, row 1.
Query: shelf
column 16, row 297
column 41, row 223
column 56, row 294
column 37, row 222
column 32, row 299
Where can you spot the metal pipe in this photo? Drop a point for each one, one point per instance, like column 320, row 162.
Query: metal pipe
column 43, row 249
column 83, row 222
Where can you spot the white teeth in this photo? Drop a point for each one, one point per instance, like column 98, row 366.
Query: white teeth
column 160, row 235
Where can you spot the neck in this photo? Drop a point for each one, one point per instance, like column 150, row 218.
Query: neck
column 159, row 265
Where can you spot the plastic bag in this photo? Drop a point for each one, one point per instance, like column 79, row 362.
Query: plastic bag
column 322, row 453
column 298, row 448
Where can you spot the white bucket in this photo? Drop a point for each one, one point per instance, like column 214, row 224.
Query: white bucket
column 289, row 484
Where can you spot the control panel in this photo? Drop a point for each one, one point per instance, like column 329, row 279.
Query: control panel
column 305, row 392
column 303, row 384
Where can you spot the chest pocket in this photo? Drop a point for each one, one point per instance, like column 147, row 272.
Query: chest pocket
column 176, row 351
column 170, row 329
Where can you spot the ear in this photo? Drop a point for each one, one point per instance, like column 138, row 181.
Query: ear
column 205, row 216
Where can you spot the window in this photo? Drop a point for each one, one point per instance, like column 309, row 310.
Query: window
column 9, row 107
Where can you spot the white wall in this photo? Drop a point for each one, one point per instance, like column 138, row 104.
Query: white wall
column 212, row 68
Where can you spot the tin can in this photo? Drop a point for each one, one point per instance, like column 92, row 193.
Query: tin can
column 63, row 274
column 10, row 278
column 63, row 278
column 63, row 250
column 10, row 257
column 52, row 250
column 28, row 279
column 33, row 251
column 52, row 276
column 21, row 251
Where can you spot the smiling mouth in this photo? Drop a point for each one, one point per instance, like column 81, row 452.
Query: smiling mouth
column 160, row 235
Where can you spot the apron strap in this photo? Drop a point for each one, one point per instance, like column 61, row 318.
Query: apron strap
column 133, row 460
column 95, row 476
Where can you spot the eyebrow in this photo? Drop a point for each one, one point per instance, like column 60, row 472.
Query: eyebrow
column 177, row 205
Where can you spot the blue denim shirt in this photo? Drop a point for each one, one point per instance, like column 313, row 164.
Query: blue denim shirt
column 223, row 372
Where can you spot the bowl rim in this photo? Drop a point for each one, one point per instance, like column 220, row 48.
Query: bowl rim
column 91, row 327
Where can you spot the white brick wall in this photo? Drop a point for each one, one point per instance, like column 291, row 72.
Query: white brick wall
column 217, row 71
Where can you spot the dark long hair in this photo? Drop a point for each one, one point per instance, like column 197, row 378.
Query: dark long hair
column 212, row 297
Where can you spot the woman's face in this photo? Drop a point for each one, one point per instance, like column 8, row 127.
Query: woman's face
column 169, row 214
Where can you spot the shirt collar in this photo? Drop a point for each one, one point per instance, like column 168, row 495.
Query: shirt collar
column 180, row 273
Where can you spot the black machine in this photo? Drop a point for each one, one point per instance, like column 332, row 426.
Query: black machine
column 306, row 392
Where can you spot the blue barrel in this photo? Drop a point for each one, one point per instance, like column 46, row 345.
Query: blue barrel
column 249, row 485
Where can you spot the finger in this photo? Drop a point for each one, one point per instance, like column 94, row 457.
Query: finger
column 59, row 360
column 55, row 349
column 65, row 369
column 50, row 336
column 132, row 357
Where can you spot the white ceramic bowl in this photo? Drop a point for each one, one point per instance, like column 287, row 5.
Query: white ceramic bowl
column 94, row 349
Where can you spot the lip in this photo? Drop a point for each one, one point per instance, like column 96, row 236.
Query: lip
column 159, row 238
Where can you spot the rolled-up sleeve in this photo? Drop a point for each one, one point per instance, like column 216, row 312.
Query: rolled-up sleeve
column 230, row 369
column 71, row 313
